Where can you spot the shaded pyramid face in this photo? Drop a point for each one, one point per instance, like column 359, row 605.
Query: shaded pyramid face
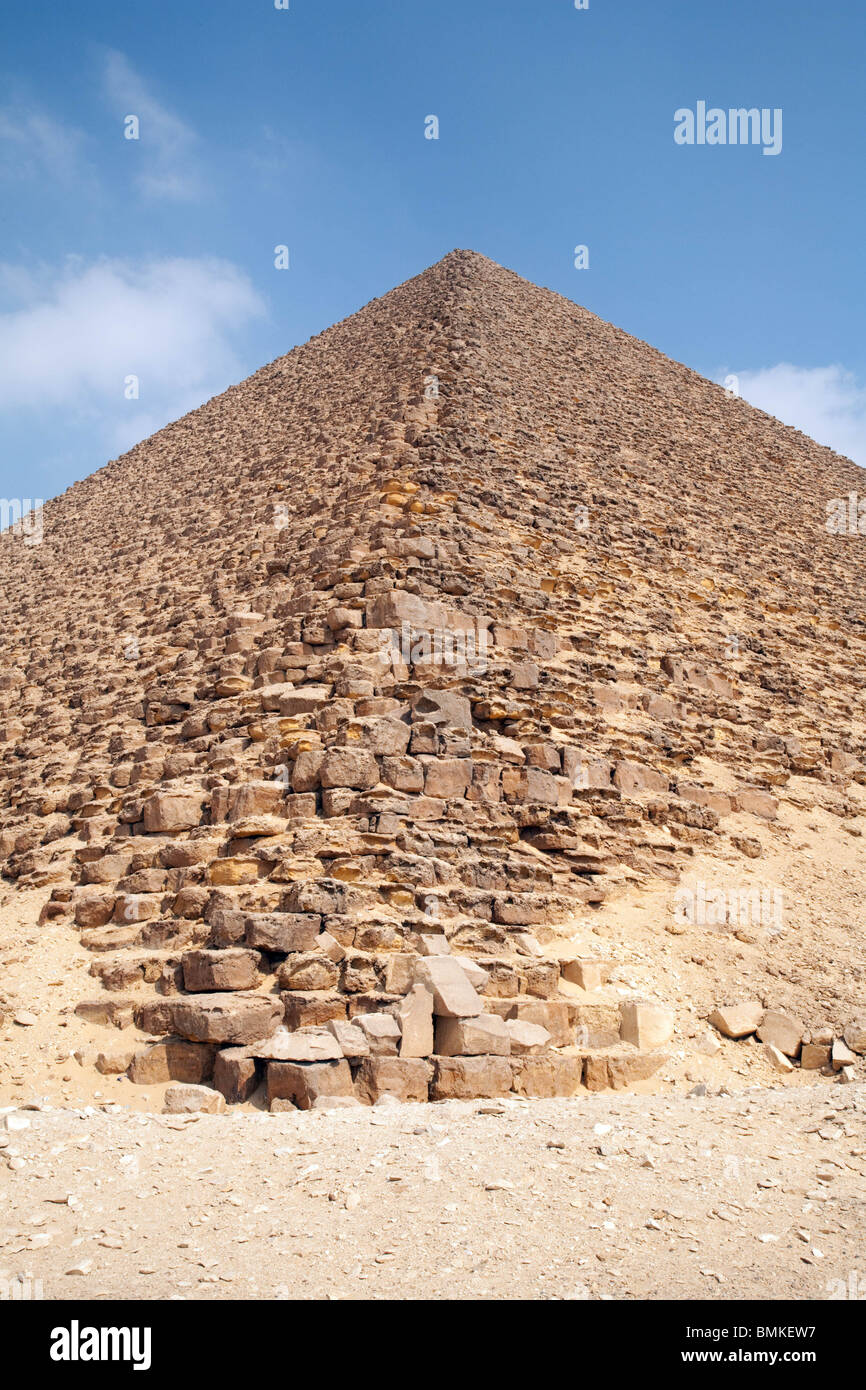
column 344, row 696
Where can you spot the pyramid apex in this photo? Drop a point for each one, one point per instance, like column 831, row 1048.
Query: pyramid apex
column 465, row 256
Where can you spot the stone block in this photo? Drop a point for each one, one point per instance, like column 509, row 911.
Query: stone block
column 405, row 1078
column 453, row 995
column 170, row 811
column 172, row 1059
column 304, row 1082
column 182, row 1099
column 226, row 1018
column 236, row 1075
column 647, row 1026
column 737, row 1020
column 469, row 1037
column 232, row 969
column 548, row 1075
column 470, row 1078
column 782, row 1031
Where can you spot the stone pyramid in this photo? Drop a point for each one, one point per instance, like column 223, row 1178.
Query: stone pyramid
column 326, row 711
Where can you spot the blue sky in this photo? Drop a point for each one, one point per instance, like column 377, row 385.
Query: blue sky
column 154, row 258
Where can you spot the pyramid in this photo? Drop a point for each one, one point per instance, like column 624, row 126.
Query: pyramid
column 327, row 711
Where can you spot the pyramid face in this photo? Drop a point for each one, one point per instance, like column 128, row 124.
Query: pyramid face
column 344, row 696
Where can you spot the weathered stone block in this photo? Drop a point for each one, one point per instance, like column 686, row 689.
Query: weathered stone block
column 226, row 1018
column 551, row 1074
column 170, row 811
column 406, row 1078
column 646, row 1025
column 231, row 969
column 447, row 777
column 172, row 1059
column 308, row 972
column 782, row 1031
column 526, row 1038
column 815, row 1056
column 236, row 1075
column 308, row 1009
column 737, row 1020
column 453, row 995
column 282, row 931
column 469, row 1037
column 349, row 767
column 415, row 1015
column 470, row 1078
column 304, row 1082
column 184, row 1099
column 382, row 1032
column 549, row 1014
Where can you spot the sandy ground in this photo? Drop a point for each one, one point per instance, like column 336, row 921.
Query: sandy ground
column 757, row 1196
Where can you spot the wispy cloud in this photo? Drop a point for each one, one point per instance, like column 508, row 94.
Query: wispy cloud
column 168, row 148
column 71, row 339
column 827, row 403
column 36, row 147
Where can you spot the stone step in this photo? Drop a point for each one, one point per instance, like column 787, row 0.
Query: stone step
column 617, row 1068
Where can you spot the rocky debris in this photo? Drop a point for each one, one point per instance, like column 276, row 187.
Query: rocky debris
column 183, row 1099
column 737, row 1020
column 785, row 1039
column 841, row 1055
column 782, row 1032
column 777, row 1058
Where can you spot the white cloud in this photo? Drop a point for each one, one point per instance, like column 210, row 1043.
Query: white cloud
column 33, row 145
column 82, row 331
column 827, row 403
column 167, row 147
